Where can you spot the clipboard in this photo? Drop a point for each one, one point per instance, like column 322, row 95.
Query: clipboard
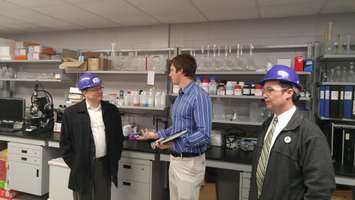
column 173, row 137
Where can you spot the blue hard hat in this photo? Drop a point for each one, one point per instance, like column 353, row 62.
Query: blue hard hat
column 282, row 73
column 88, row 80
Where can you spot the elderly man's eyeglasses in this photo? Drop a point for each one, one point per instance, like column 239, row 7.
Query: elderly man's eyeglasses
column 268, row 90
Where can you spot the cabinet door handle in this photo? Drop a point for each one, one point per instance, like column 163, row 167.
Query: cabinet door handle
column 23, row 158
column 23, row 151
column 127, row 166
column 37, row 173
column 126, row 183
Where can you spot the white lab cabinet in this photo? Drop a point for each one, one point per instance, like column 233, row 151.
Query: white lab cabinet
column 134, row 179
column 28, row 168
column 58, row 180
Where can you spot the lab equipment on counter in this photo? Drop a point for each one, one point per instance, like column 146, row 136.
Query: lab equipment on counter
column 41, row 117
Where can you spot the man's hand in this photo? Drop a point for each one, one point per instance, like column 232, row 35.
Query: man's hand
column 157, row 144
column 163, row 146
column 147, row 135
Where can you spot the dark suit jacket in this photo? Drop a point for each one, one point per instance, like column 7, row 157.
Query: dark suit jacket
column 78, row 147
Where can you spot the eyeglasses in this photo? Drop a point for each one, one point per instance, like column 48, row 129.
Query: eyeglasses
column 268, row 90
column 95, row 89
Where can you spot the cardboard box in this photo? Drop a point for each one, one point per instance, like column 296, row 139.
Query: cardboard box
column 6, row 53
column 208, row 192
column 342, row 195
column 93, row 64
column 75, row 66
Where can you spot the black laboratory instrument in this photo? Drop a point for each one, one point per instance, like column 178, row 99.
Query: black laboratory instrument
column 41, row 118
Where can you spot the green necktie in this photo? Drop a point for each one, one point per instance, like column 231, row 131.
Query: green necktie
column 264, row 157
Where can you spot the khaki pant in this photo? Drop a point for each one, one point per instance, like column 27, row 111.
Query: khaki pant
column 186, row 175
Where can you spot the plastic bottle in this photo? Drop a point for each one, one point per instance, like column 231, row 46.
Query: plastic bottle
column 143, row 101
column 246, row 90
column 237, row 90
column 157, row 100
column 135, row 98
column 204, row 84
column 258, row 90
column 351, row 73
column 252, row 89
column 163, row 99
column 126, row 98
column 221, row 90
column 338, row 74
column 151, row 97
column 212, row 86
column 198, row 81
column 229, row 88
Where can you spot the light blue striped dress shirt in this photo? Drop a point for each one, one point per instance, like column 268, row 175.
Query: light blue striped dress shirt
column 192, row 111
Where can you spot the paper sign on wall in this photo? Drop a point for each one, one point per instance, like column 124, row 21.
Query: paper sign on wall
column 150, row 77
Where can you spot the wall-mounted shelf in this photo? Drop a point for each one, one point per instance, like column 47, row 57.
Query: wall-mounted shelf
column 337, row 58
column 248, row 123
column 291, row 46
column 133, row 50
column 240, row 73
column 30, row 61
column 116, row 72
column 142, row 108
column 337, row 119
column 242, row 97
column 30, row 80
column 337, row 83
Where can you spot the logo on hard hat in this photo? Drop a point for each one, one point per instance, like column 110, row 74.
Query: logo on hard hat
column 96, row 80
column 283, row 74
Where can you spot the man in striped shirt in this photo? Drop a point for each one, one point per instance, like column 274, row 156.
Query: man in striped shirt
column 192, row 111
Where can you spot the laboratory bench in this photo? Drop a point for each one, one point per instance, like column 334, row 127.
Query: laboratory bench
column 140, row 165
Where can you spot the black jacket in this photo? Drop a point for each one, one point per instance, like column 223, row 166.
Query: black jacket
column 78, row 147
column 300, row 165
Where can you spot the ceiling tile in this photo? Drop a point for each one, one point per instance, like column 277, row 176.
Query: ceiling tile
column 286, row 2
column 13, row 25
column 33, row 3
column 203, row 4
column 31, row 16
column 288, row 10
column 339, row 6
column 118, row 11
column 76, row 15
column 169, row 11
column 232, row 9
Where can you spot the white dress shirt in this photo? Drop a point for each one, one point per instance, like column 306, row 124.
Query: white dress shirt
column 98, row 129
column 283, row 120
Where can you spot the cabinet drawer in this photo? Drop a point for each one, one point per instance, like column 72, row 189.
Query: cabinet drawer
column 134, row 172
column 132, row 190
column 25, row 150
column 25, row 159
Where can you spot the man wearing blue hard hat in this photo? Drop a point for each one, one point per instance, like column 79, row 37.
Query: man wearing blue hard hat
column 91, row 142
column 292, row 158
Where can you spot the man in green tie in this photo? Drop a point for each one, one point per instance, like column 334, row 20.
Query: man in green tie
column 292, row 158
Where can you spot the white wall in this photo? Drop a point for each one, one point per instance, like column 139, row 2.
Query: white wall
column 291, row 30
column 130, row 37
